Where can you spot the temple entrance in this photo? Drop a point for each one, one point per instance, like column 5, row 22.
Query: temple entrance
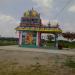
column 38, row 39
column 48, row 40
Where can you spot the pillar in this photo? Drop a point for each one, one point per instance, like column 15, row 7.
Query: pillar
column 38, row 39
column 20, row 38
column 56, row 40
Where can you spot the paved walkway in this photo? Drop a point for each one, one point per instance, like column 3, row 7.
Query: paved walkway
column 16, row 48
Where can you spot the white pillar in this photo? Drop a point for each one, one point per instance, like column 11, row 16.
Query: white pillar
column 37, row 39
column 56, row 40
column 20, row 38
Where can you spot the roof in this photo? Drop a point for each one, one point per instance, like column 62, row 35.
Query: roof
column 31, row 13
column 41, row 29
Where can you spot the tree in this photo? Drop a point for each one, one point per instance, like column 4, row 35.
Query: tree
column 69, row 35
column 50, row 37
column 66, row 35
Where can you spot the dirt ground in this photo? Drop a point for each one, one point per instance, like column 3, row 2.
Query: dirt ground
column 28, row 58
column 11, row 60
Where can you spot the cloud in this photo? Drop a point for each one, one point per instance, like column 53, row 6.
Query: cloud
column 46, row 4
column 68, row 27
column 7, row 26
column 72, row 8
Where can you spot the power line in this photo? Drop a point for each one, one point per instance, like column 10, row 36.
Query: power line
column 68, row 2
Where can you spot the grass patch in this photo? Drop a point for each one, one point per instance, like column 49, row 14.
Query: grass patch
column 70, row 62
column 67, row 44
column 5, row 43
column 8, row 41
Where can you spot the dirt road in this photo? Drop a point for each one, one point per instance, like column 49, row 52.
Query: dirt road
column 19, row 61
column 54, row 51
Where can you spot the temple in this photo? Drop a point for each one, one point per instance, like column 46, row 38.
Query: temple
column 31, row 28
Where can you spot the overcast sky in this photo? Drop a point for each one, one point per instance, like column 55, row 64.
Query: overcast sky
column 11, row 12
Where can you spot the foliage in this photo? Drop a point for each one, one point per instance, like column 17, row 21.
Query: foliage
column 50, row 37
column 67, row 44
column 69, row 35
column 8, row 41
column 63, row 43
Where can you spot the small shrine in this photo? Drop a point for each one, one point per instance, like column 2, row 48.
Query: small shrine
column 31, row 28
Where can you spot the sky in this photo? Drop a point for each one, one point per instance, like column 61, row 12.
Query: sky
column 55, row 11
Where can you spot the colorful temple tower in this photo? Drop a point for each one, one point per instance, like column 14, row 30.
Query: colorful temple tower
column 31, row 27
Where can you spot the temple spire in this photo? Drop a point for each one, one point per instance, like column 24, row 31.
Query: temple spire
column 32, row 8
column 49, row 24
